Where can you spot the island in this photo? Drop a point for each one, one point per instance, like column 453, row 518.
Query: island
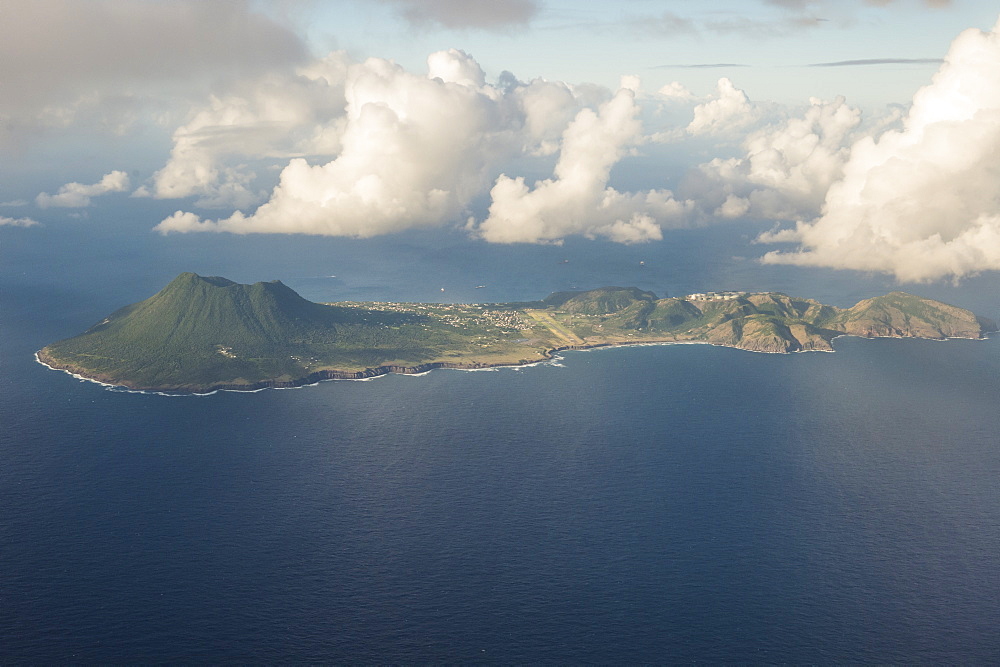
column 201, row 334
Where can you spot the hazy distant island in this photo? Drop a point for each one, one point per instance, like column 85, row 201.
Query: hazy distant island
column 201, row 334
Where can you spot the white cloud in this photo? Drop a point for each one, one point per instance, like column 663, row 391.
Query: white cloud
column 730, row 110
column 787, row 168
column 578, row 200
column 271, row 117
column 675, row 90
column 548, row 107
column 414, row 151
column 734, row 207
column 417, row 149
column 631, row 82
column 182, row 221
column 454, row 66
column 922, row 202
column 17, row 222
column 75, row 195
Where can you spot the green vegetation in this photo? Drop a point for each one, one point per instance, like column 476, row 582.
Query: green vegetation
column 603, row 301
column 201, row 333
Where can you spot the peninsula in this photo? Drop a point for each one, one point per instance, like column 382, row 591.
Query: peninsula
column 200, row 334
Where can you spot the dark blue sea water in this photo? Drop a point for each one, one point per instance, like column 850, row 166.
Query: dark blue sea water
column 648, row 504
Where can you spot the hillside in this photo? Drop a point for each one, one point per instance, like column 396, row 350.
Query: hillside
column 902, row 314
column 203, row 333
column 601, row 301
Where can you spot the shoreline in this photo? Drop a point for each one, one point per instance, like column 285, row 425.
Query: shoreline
column 368, row 374
column 364, row 375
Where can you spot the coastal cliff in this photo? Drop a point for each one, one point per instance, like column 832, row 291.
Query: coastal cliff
column 202, row 334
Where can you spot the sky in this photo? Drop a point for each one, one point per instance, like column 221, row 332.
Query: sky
column 867, row 132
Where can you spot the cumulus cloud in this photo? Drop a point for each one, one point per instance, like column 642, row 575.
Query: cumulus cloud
column 733, row 207
column 17, row 222
column 414, row 151
column 787, row 168
column 270, row 117
column 481, row 14
column 922, row 202
column 76, row 195
column 547, row 108
column 578, row 200
column 729, row 110
column 675, row 91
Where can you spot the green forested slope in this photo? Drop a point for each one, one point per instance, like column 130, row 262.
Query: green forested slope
column 199, row 331
column 203, row 332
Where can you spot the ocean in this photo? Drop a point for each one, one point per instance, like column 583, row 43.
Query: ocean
column 681, row 503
